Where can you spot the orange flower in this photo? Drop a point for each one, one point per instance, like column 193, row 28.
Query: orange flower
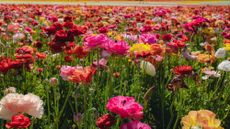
column 82, row 75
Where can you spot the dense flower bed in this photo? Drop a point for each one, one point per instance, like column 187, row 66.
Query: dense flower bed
column 114, row 67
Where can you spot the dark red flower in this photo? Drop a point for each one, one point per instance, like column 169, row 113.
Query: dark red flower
column 18, row 121
column 60, row 36
column 167, row 37
column 68, row 58
column 105, row 121
column 182, row 70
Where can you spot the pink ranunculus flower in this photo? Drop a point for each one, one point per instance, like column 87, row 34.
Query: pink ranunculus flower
column 125, row 106
column 119, row 48
column 66, row 71
column 148, row 38
column 93, row 41
column 135, row 125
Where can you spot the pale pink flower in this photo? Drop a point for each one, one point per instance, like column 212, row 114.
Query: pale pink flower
column 101, row 63
column 135, row 125
column 125, row 106
column 14, row 103
column 66, row 71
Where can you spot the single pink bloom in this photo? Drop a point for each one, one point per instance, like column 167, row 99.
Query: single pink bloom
column 125, row 106
column 119, row 48
column 94, row 41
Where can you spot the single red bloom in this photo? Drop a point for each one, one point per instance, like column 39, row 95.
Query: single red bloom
column 18, row 121
column 105, row 121
column 182, row 70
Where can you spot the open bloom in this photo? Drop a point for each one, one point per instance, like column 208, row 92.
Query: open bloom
column 224, row 65
column 148, row 38
column 94, row 41
column 18, row 121
column 203, row 119
column 135, row 125
column 125, row 106
column 119, row 48
column 140, row 49
column 77, row 74
column 182, row 70
column 14, row 103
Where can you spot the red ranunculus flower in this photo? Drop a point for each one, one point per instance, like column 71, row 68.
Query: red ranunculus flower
column 105, row 121
column 18, row 121
column 182, row 70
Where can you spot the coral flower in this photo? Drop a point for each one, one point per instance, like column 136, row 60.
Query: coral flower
column 77, row 74
column 125, row 106
column 135, row 125
column 182, row 70
column 203, row 119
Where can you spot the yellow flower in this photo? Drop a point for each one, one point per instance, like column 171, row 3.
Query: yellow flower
column 227, row 46
column 209, row 31
column 140, row 47
column 203, row 119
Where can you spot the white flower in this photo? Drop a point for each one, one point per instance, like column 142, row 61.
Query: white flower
column 148, row 68
column 220, row 53
column 224, row 65
column 15, row 103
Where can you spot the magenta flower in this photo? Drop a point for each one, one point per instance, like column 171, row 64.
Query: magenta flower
column 135, row 125
column 148, row 38
column 119, row 48
column 125, row 106
column 94, row 41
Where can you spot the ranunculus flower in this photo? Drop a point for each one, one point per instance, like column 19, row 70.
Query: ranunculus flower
column 125, row 107
column 14, row 103
column 105, row 121
column 182, row 70
column 140, row 49
column 66, row 71
column 220, row 53
column 148, row 38
column 18, row 121
column 77, row 74
column 135, row 125
column 148, row 68
column 119, row 48
column 224, row 65
column 203, row 119
column 94, row 41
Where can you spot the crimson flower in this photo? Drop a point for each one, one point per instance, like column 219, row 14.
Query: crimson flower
column 105, row 121
column 18, row 121
column 182, row 70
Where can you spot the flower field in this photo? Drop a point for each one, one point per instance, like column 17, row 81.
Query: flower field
column 114, row 67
